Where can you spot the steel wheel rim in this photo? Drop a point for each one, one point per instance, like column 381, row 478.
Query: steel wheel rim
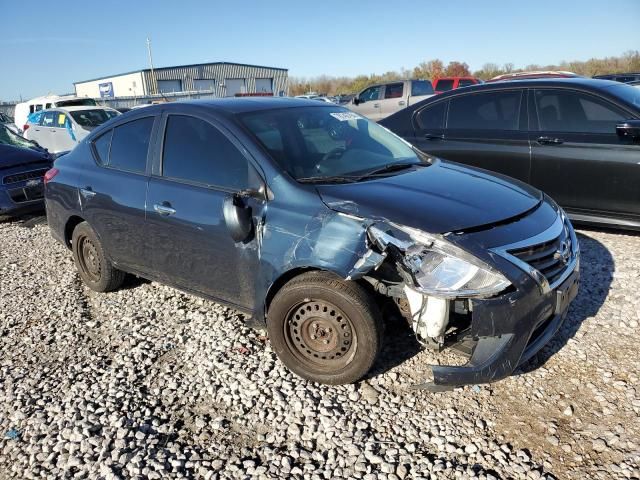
column 320, row 335
column 89, row 259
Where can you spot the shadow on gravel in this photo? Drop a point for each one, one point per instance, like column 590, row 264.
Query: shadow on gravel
column 596, row 274
column 399, row 345
column 27, row 221
column 131, row 282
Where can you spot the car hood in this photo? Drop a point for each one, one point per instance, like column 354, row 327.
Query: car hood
column 443, row 197
column 11, row 156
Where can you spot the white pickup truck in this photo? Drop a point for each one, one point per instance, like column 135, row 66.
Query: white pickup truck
column 379, row 101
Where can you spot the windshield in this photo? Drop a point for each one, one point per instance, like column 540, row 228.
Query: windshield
column 626, row 92
column 91, row 118
column 7, row 137
column 322, row 142
column 77, row 102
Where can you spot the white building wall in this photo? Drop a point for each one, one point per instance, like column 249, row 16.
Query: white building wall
column 128, row 85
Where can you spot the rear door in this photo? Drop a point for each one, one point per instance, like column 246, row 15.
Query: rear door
column 368, row 103
column 43, row 132
column 65, row 136
column 199, row 167
column 113, row 192
column 394, row 98
column 577, row 157
column 482, row 129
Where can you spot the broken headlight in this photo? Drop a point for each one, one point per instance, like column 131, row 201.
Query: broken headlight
column 441, row 269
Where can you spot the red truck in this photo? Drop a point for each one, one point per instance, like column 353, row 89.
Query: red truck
column 444, row 84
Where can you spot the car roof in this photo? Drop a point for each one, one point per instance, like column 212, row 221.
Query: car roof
column 75, row 108
column 237, row 105
column 584, row 83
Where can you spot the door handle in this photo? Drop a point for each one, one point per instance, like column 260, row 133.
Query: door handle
column 87, row 192
column 402, row 103
column 164, row 209
column 549, row 141
column 433, row 136
column 376, row 105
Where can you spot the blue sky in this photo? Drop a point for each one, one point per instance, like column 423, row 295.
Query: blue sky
column 46, row 46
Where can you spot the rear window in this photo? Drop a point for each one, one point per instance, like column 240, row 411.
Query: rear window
column 485, row 111
column 443, row 85
column 77, row 102
column 421, row 87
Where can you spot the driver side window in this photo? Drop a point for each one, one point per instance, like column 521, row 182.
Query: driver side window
column 370, row 94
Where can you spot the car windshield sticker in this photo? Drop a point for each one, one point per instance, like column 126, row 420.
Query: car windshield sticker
column 346, row 116
column 61, row 119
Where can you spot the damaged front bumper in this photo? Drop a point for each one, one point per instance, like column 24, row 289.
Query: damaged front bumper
column 507, row 331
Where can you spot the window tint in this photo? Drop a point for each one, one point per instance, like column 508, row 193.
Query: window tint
column 443, row 85
column 371, row 93
column 393, row 90
column 570, row 111
column 101, row 145
column 129, row 145
column 465, row 82
column 432, row 117
column 196, row 151
column 48, row 119
column 485, row 111
column 421, row 87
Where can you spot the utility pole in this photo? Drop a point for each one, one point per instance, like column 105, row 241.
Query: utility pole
column 154, row 81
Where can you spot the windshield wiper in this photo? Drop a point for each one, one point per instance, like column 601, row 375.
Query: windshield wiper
column 391, row 167
column 328, row 179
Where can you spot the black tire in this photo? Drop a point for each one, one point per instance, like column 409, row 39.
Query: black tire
column 325, row 329
column 96, row 271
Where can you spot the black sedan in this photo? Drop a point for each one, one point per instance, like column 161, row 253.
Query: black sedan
column 22, row 167
column 576, row 139
column 310, row 218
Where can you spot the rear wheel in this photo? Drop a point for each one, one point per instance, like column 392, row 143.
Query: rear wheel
column 325, row 329
column 94, row 268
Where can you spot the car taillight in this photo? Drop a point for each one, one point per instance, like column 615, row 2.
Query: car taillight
column 50, row 174
column 25, row 127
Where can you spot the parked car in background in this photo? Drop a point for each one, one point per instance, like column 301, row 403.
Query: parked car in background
column 60, row 129
column 444, row 84
column 24, row 109
column 180, row 193
column 8, row 122
column 577, row 140
column 620, row 77
column 379, row 101
column 533, row 75
column 22, row 167
column 344, row 99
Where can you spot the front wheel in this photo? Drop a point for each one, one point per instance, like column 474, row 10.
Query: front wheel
column 325, row 329
column 94, row 267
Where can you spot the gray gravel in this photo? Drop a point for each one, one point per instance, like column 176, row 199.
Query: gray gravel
column 148, row 382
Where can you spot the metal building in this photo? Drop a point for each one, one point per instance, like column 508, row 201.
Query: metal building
column 221, row 79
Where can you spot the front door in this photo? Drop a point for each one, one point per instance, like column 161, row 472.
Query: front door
column 200, row 167
column 368, row 103
column 484, row 129
column 577, row 157
column 65, row 136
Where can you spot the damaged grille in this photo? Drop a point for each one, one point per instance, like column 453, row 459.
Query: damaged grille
column 23, row 177
column 26, row 194
column 551, row 258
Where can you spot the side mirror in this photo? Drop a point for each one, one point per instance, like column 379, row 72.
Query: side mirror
column 238, row 217
column 356, row 101
column 629, row 129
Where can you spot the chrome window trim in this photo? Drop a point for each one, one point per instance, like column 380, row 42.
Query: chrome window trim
column 548, row 235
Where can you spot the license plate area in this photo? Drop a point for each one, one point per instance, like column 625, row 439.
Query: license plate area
column 566, row 292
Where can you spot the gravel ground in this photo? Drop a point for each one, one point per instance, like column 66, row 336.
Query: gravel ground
column 148, row 382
